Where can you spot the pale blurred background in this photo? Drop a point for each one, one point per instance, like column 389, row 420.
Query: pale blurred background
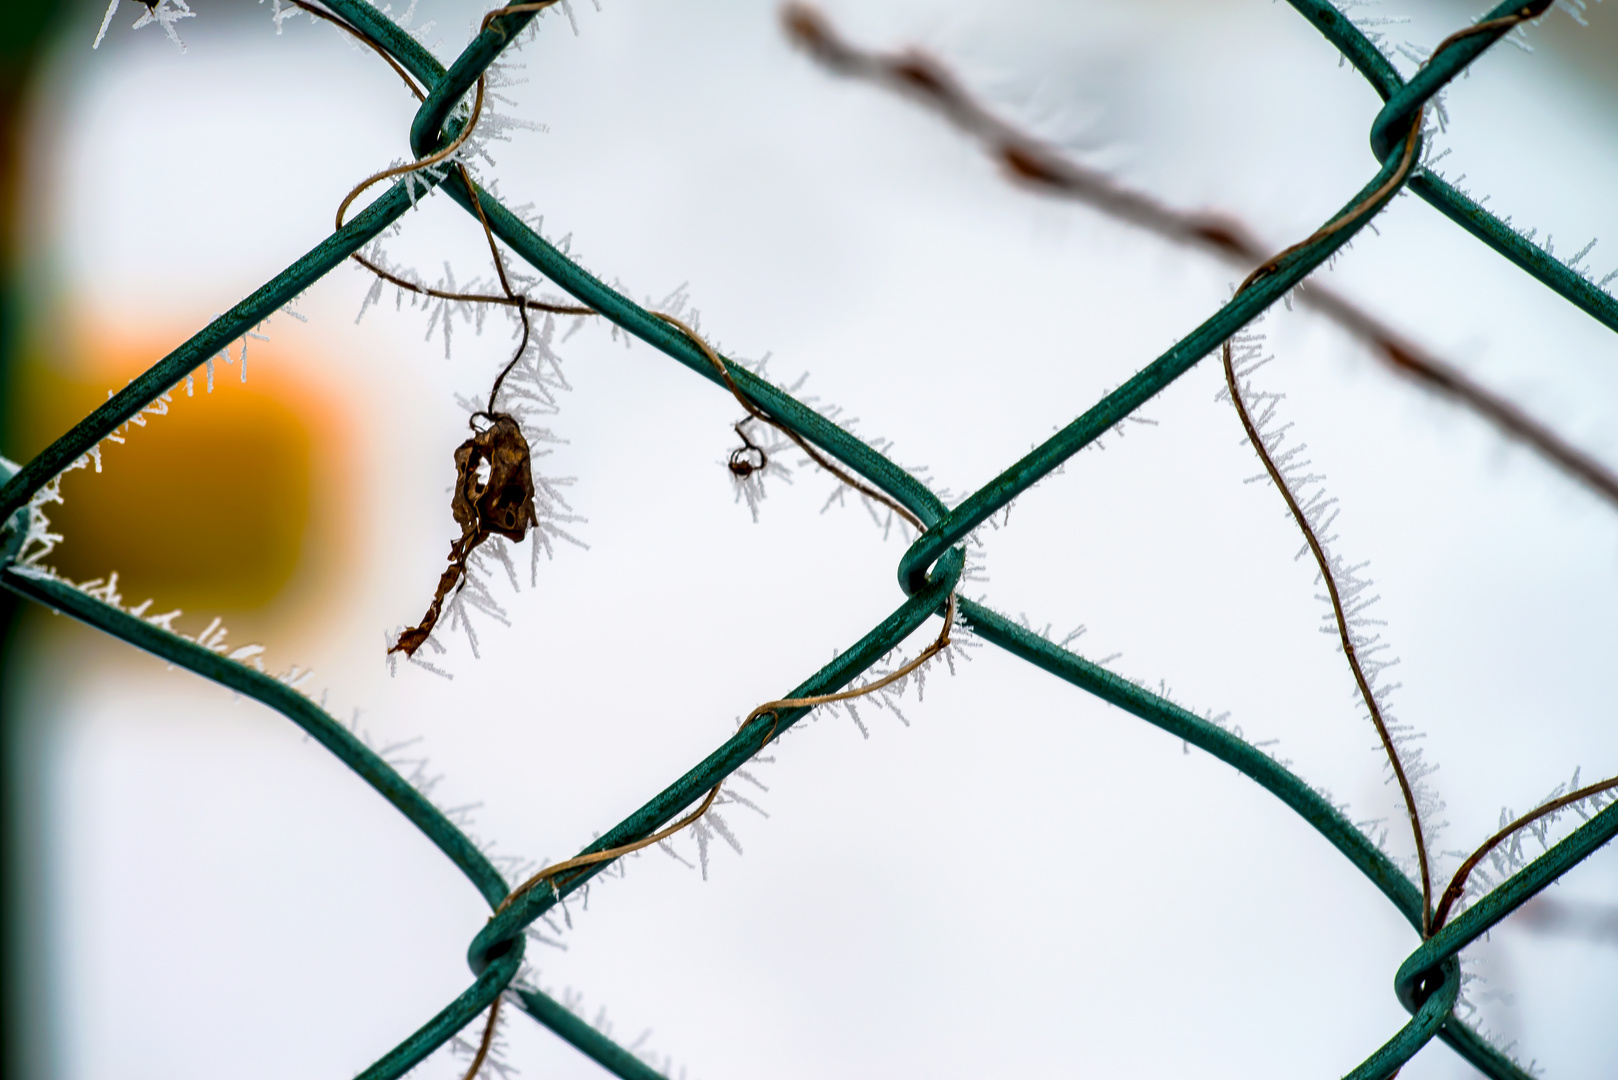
column 1023, row 881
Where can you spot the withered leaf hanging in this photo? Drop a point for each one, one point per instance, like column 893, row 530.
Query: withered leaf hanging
column 502, row 503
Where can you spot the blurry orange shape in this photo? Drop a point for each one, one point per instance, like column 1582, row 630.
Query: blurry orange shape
column 229, row 503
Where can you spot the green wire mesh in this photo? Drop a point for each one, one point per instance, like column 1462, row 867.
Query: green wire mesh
column 1428, row 981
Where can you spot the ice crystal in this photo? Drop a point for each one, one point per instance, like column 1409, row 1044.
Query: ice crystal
column 164, row 13
column 213, row 637
column 280, row 13
column 528, row 981
column 1576, row 10
column 1374, row 27
column 494, row 124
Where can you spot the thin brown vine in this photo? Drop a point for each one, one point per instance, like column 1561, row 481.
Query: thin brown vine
column 1233, row 385
column 1457, row 884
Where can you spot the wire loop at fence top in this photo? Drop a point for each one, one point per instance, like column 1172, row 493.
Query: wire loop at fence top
column 1428, row 982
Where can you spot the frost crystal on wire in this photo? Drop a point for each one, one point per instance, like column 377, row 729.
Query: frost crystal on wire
column 164, row 13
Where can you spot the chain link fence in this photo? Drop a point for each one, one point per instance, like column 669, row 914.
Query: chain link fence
column 1427, row 983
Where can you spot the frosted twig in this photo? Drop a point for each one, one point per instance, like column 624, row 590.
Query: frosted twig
column 1554, row 806
column 1303, row 517
column 1317, row 508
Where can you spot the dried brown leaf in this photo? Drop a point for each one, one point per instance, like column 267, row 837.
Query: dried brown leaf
column 494, row 495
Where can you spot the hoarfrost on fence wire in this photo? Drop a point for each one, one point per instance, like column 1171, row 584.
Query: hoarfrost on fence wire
column 696, row 603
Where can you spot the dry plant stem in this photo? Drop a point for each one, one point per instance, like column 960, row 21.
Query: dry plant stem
column 515, row 9
column 1342, row 635
column 416, row 166
column 475, row 298
column 939, row 644
column 1407, row 161
column 344, row 24
column 803, row 444
column 481, row 512
column 1346, row 640
column 394, row 279
column 511, row 295
column 1342, row 627
column 1031, row 162
column 484, row 511
column 523, row 305
column 466, row 132
column 551, row 873
column 1458, row 882
column 1505, row 22
column 487, row 1040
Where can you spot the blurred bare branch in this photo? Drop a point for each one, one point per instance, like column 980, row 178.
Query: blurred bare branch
column 1570, row 918
column 1033, row 164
